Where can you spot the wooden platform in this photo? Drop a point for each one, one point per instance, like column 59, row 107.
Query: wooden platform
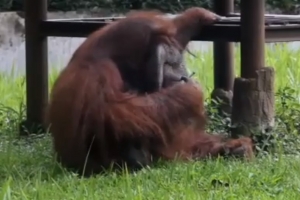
column 279, row 28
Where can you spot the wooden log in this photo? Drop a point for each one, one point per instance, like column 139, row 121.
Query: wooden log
column 253, row 104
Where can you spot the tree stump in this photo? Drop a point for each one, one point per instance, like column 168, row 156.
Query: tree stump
column 253, row 104
column 224, row 100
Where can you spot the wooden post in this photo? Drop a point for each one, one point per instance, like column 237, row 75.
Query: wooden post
column 223, row 62
column 36, row 66
column 252, row 37
column 253, row 99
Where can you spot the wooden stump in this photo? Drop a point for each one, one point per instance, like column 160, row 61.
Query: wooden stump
column 253, row 104
column 224, row 100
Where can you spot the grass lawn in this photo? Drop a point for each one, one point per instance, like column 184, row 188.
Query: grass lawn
column 28, row 171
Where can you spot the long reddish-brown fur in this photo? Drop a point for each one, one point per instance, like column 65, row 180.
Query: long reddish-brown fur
column 91, row 103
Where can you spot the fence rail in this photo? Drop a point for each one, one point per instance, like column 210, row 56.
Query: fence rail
column 279, row 28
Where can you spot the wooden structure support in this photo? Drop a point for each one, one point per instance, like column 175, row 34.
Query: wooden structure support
column 252, row 37
column 36, row 65
column 253, row 99
column 277, row 29
column 251, row 28
column 223, row 54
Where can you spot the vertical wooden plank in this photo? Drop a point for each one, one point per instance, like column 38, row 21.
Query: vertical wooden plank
column 36, row 64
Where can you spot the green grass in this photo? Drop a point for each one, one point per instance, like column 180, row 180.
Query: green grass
column 28, row 171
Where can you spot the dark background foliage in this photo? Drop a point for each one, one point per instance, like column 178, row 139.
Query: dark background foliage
column 164, row 5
